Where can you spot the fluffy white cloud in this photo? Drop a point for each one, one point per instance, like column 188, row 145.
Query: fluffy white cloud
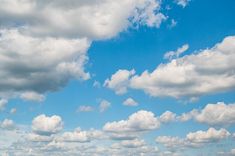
column 43, row 125
column 85, row 108
column 93, row 19
column 30, row 65
column 205, row 72
column 119, row 81
column 32, row 96
column 167, row 117
column 39, row 138
column 136, row 143
column 137, row 122
column 130, row 102
column 3, row 103
column 175, row 54
column 7, row 124
column 104, row 105
column 212, row 114
column 81, row 136
column 194, row 139
column 211, row 135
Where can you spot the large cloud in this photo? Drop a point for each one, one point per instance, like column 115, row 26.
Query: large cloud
column 32, row 65
column 43, row 43
column 92, row 18
column 205, row 72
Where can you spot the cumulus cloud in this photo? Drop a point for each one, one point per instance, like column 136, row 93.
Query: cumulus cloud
column 3, row 103
column 81, row 136
column 104, row 105
column 194, row 139
column 32, row 96
column 205, row 72
column 219, row 114
column 7, row 124
column 119, row 81
column 137, row 122
column 93, row 19
column 32, row 66
column 167, row 117
column 130, row 102
column 211, row 135
column 44, row 125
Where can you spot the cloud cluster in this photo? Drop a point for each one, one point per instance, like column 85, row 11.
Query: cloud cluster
column 194, row 139
column 205, row 72
column 43, row 44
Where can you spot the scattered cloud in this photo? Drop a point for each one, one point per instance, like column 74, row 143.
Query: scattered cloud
column 130, row 102
column 3, row 103
column 205, row 72
column 85, row 108
column 182, row 3
column 104, row 105
column 13, row 110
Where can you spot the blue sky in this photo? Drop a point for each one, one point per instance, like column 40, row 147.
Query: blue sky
column 97, row 75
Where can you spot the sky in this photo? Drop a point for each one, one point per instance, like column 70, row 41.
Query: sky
column 117, row 78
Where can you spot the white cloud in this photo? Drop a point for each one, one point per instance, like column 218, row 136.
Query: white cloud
column 39, row 138
column 7, row 124
column 182, row 3
column 44, row 125
column 211, row 135
column 167, row 117
column 104, row 105
column 85, row 108
column 94, row 19
column 206, row 72
column 32, row 96
column 119, row 81
column 3, row 103
column 130, row 102
column 212, row 114
column 137, row 122
column 81, row 136
column 175, row 54
column 136, row 143
column 194, row 139
column 31, row 66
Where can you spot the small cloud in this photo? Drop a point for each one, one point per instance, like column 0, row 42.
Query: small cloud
column 85, row 109
column 97, row 84
column 104, row 105
column 13, row 110
column 130, row 102
column 175, row 54
column 32, row 96
column 172, row 24
column 3, row 103
column 182, row 3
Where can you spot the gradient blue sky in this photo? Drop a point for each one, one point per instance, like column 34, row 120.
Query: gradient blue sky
column 201, row 24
